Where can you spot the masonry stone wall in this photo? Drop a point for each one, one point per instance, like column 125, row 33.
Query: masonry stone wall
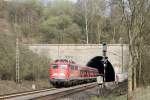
column 118, row 54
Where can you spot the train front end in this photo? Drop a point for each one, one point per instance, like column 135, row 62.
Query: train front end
column 59, row 73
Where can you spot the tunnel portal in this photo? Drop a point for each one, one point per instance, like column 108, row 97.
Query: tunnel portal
column 97, row 62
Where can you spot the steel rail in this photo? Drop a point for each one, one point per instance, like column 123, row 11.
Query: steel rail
column 48, row 94
column 66, row 92
column 2, row 97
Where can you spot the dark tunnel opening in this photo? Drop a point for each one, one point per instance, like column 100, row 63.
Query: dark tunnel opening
column 97, row 62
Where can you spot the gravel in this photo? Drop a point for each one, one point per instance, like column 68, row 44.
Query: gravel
column 118, row 93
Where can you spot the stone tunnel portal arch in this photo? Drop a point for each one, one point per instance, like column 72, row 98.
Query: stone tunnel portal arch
column 97, row 62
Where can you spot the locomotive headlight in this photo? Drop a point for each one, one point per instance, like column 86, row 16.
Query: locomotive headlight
column 55, row 74
column 62, row 74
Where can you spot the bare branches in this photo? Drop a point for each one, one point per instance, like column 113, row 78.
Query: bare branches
column 135, row 22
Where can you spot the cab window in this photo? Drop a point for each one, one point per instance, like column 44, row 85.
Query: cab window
column 63, row 66
column 72, row 67
column 54, row 66
column 76, row 67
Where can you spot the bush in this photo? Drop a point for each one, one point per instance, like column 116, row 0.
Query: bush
column 32, row 65
column 7, row 56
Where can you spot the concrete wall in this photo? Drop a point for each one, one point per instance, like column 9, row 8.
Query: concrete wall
column 82, row 53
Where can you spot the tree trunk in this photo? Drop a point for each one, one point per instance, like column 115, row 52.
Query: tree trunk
column 86, row 22
column 134, row 78
column 130, row 83
column 114, row 33
column 86, row 30
column 98, row 33
column 140, row 67
column 131, row 66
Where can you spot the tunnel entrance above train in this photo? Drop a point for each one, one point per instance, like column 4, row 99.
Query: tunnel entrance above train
column 97, row 62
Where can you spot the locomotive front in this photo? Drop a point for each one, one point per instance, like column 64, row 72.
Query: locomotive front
column 59, row 73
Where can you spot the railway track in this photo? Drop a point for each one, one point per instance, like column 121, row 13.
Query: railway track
column 47, row 94
column 13, row 95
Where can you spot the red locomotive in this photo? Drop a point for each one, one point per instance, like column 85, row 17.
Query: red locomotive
column 68, row 73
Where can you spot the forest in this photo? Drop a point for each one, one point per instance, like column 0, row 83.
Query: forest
column 74, row 22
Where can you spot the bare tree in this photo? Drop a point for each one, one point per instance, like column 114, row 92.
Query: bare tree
column 86, row 20
column 134, row 15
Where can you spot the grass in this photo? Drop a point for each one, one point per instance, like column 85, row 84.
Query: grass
column 7, row 87
column 111, row 97
column 138, row 94
column 142, row 94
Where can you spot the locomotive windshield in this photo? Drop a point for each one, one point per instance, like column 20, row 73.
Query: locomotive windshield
column 54, row 66
column 63, row 66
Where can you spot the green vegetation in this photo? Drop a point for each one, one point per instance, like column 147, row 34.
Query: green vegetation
column 32, row 66
column 7, row 56
column 15, row 23
column 62, row 21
